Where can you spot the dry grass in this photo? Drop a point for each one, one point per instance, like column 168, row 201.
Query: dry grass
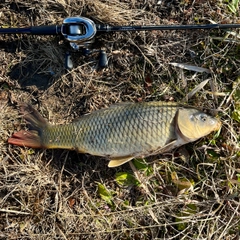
column 54, row 194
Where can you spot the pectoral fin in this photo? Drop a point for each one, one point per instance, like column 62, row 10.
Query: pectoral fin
column 115, row 162
column 168, row 147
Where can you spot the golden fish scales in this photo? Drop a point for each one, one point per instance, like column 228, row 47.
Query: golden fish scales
column 121, row 132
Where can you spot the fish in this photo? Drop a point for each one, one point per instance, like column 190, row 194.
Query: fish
column 120, row 132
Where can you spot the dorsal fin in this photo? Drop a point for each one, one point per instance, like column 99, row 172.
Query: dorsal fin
column 120, row 104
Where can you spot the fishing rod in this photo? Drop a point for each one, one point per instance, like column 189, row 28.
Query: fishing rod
column 80, row 31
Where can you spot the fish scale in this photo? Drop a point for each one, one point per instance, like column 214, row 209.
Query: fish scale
column 121, row 132
column 116, row 128
column 124, row 130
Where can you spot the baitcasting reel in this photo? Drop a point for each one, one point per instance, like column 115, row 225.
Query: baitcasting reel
column 78, row 31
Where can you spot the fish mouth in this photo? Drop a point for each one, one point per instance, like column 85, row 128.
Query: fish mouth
column 218, row 125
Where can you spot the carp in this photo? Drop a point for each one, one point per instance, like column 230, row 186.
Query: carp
column 121, row 132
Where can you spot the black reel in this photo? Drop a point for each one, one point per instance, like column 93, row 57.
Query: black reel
column 79, row 32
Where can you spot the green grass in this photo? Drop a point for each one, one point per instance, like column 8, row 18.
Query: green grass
column 190, row 193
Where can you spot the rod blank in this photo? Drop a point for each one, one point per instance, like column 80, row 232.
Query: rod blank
column 107, row 28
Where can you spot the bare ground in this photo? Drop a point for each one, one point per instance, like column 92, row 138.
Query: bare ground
column 192, row 193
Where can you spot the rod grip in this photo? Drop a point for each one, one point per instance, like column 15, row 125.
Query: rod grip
column 45, row 30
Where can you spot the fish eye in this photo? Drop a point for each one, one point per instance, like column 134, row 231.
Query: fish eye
column 203, row 117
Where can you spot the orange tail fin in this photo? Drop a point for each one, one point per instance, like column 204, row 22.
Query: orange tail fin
column 36, row 124
column 26, row 139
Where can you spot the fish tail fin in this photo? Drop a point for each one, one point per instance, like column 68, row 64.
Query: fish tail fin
column 26, row 139
column 35, row 122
